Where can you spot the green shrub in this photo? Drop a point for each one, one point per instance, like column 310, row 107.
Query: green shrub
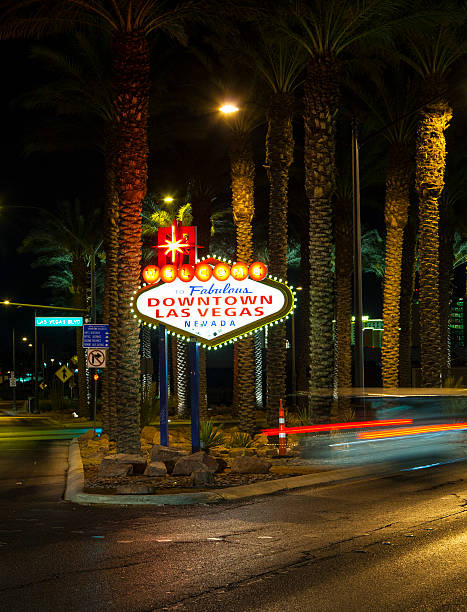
column 150, row 405
column 240, row 440
column 211, row 436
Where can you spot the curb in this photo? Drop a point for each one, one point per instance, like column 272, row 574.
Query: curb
column 75, row 485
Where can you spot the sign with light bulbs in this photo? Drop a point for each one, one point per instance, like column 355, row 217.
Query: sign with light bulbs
column 214, row 300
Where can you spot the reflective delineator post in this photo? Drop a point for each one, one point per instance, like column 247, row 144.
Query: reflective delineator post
column 282, row 434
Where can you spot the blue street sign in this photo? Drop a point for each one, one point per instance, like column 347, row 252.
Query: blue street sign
column 95, row 335
column 59, row 321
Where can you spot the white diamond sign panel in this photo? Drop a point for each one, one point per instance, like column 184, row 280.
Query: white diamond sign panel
column 214, row 311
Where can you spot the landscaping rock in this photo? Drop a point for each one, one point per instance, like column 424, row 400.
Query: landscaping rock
column 203, row 456
column 156, row 468
column 90, row 434
column 166, row 453
column 111, row 469
column 137, row 462
column 202, row 477
column 186, row 465
column 135, row 489
column 221, row 465
column 148, row 433
column 250, row 465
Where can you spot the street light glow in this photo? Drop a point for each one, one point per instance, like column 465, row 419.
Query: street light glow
column 6, row 301
column 228, row 109
column 168, row 199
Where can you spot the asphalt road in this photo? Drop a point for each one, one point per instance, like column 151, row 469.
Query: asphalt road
column 393, row 543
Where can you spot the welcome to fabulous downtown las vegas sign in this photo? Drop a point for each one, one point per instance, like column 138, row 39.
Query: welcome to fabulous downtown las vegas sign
column 212, row 300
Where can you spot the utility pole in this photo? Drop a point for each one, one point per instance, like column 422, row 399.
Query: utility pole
column 36, row 399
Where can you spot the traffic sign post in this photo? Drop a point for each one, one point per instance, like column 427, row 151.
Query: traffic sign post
column 96, row 358
column 95, row 335
column 63, row 373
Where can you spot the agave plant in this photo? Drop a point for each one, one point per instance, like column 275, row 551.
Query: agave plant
column 211, row 436
column 240, row 439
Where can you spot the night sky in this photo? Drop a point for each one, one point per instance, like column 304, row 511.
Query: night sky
column 186, row 134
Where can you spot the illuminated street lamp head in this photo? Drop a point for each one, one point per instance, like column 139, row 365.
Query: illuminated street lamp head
column 24, row 339
column 6, row 301
column 168, row 199
column 228, row 109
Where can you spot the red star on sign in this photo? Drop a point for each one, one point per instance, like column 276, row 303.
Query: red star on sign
column 175, row 242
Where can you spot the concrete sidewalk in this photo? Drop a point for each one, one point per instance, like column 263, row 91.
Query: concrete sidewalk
column 75, row 486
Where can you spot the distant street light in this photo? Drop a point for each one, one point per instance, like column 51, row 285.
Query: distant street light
column 168, row 199
column 228, row 108
column 24, row 339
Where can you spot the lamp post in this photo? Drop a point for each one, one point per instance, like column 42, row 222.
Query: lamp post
column 12, row 375
column 357, row 257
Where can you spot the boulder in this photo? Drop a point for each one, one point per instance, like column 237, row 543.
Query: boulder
column 166, row 453
column 113, row 469
column 137, row 462
column 156, row 468
column 148, row 433
column 90, row 434
column 203, row 456
column 185, row 466
column 250, row 465
column 221, row 465
column 202, row 477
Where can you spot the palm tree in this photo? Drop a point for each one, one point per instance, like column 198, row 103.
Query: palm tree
column 326, row 30
column 409, row 257
column 131, row 23
column 279, row 63
column 69, row 238
column 243, row 172
column 395, row 116
column 432, row 56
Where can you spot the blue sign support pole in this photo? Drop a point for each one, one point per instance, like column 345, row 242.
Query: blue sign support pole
column 164, row 386
column 194, row 379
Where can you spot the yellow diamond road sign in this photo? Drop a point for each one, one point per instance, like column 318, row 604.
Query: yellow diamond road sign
column 64, row 373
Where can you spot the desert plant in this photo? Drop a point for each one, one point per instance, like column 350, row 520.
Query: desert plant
column 150, row 405
column 211, row 436
column 240, row 440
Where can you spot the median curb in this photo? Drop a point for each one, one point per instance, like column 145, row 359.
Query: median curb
column 75, row 486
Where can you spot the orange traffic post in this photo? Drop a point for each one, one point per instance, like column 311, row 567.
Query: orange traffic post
column 282, row 434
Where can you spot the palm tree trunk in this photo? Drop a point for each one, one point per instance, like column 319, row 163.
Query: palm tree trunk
column 203, row 386
column 279, row 157
column 182, row 380
column 242, row 172
column 407, row 291
column 131, row 83
column 396, row 210
column 431, row 161
column 146, row 353
column 302, row 321
column 344, row 267
column 321, row 106
column 201, row 196
column 446, row 241
column 110, row 301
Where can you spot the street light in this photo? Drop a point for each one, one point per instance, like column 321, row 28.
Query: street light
column 168, row 199
column 228, row 108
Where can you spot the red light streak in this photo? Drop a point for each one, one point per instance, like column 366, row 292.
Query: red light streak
column 331, row 426
column 410, row 431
